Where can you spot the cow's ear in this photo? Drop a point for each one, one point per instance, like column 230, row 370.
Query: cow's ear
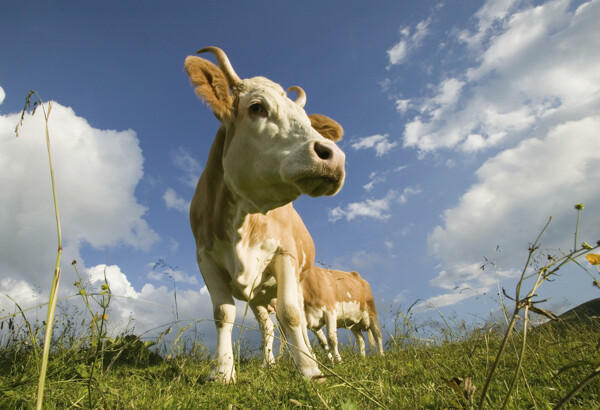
column 211, row 85
column 327, row 127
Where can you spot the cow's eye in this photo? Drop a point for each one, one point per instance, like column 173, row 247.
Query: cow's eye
column 257, row 109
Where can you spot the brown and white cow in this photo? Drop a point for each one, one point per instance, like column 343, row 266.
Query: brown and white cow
column 338, row 299
column 251, row 244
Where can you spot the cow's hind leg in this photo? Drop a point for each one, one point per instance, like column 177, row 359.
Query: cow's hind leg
column 360, row 339
column 267, row 330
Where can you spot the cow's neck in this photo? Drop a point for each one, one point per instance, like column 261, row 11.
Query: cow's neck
column 219, row 214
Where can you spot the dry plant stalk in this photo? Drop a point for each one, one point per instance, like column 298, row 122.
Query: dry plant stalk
column 526, row 303
column 56, row 279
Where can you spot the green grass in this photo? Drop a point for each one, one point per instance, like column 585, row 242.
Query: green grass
column 418, row 375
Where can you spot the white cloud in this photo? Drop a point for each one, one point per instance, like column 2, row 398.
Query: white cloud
column 162, row 275
column 189, row 165
column 525, row 75
column 174, row 201
column 397, row 53
column 379, row 142
column 530, row 100
column 408, row 42
column 516, row 191
column 489, row 19
column 372, row 208
column 374, row 178
column 2, row 95
column 96, row 174
column 403, row 105
column 151, row 307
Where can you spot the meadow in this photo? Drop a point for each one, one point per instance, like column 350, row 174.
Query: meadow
column 503, row 363
column 86, row 369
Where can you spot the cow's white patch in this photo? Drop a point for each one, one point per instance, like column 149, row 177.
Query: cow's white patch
column 253, row 257
column 315, row 317
column 348, row 313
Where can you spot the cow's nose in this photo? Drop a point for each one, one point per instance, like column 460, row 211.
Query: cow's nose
column 323, row 151
column 330, row 156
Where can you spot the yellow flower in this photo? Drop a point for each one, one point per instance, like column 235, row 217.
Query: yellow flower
column 593, row 258
column 105, row 316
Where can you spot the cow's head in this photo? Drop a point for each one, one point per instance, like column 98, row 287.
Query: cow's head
column 273, row 152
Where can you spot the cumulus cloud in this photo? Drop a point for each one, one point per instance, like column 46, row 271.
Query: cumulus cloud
column 151, row 306
column 374, row 178
column 528, row 104
column 2, row 95
column 402, row 105
column 174, row 201
column 516, row 191
column 409, row 41
column 372, row 208
column 524, row 75
column 189, row 165
column 379, row 143
column 96, row 174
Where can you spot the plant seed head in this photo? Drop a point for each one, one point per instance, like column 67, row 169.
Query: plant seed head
column 579, row 207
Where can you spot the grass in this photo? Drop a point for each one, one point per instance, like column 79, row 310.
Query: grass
column 413, row 375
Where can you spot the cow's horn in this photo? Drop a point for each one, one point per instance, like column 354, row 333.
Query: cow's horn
column 224, row 64
column 301, row 99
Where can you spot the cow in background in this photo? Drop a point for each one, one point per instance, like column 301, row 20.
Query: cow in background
column 338, row 299
column 250, row 242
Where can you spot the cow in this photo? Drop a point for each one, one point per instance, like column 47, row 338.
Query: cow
column 340, row 299
column 337, row 299
column 250, row 242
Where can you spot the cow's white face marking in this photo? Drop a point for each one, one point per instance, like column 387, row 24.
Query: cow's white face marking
column 270, row 157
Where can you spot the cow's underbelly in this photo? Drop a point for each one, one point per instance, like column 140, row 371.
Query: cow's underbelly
column 350, row 313
column 315, row 317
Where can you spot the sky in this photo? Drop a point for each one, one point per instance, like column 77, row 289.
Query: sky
column 467, row 125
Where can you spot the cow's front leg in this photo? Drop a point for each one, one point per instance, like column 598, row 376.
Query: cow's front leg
column 323, row 342
column 266, row 328
column 224, row 315
column 289, row 314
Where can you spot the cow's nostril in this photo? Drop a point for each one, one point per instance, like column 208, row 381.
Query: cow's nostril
column 323, row 151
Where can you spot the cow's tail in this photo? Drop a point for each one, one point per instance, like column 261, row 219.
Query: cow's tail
column 371, row 339
column 374, row 331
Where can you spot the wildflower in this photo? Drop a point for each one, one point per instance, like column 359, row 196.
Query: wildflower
column 105, row 317
column 105, row 287
column 82, row 292
column 593, row 258
column 74, row 262
column 579, row 207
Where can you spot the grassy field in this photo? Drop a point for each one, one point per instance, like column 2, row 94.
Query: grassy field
column 127, row 373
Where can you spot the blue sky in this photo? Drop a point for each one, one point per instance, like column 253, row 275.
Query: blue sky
column 467, row 124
